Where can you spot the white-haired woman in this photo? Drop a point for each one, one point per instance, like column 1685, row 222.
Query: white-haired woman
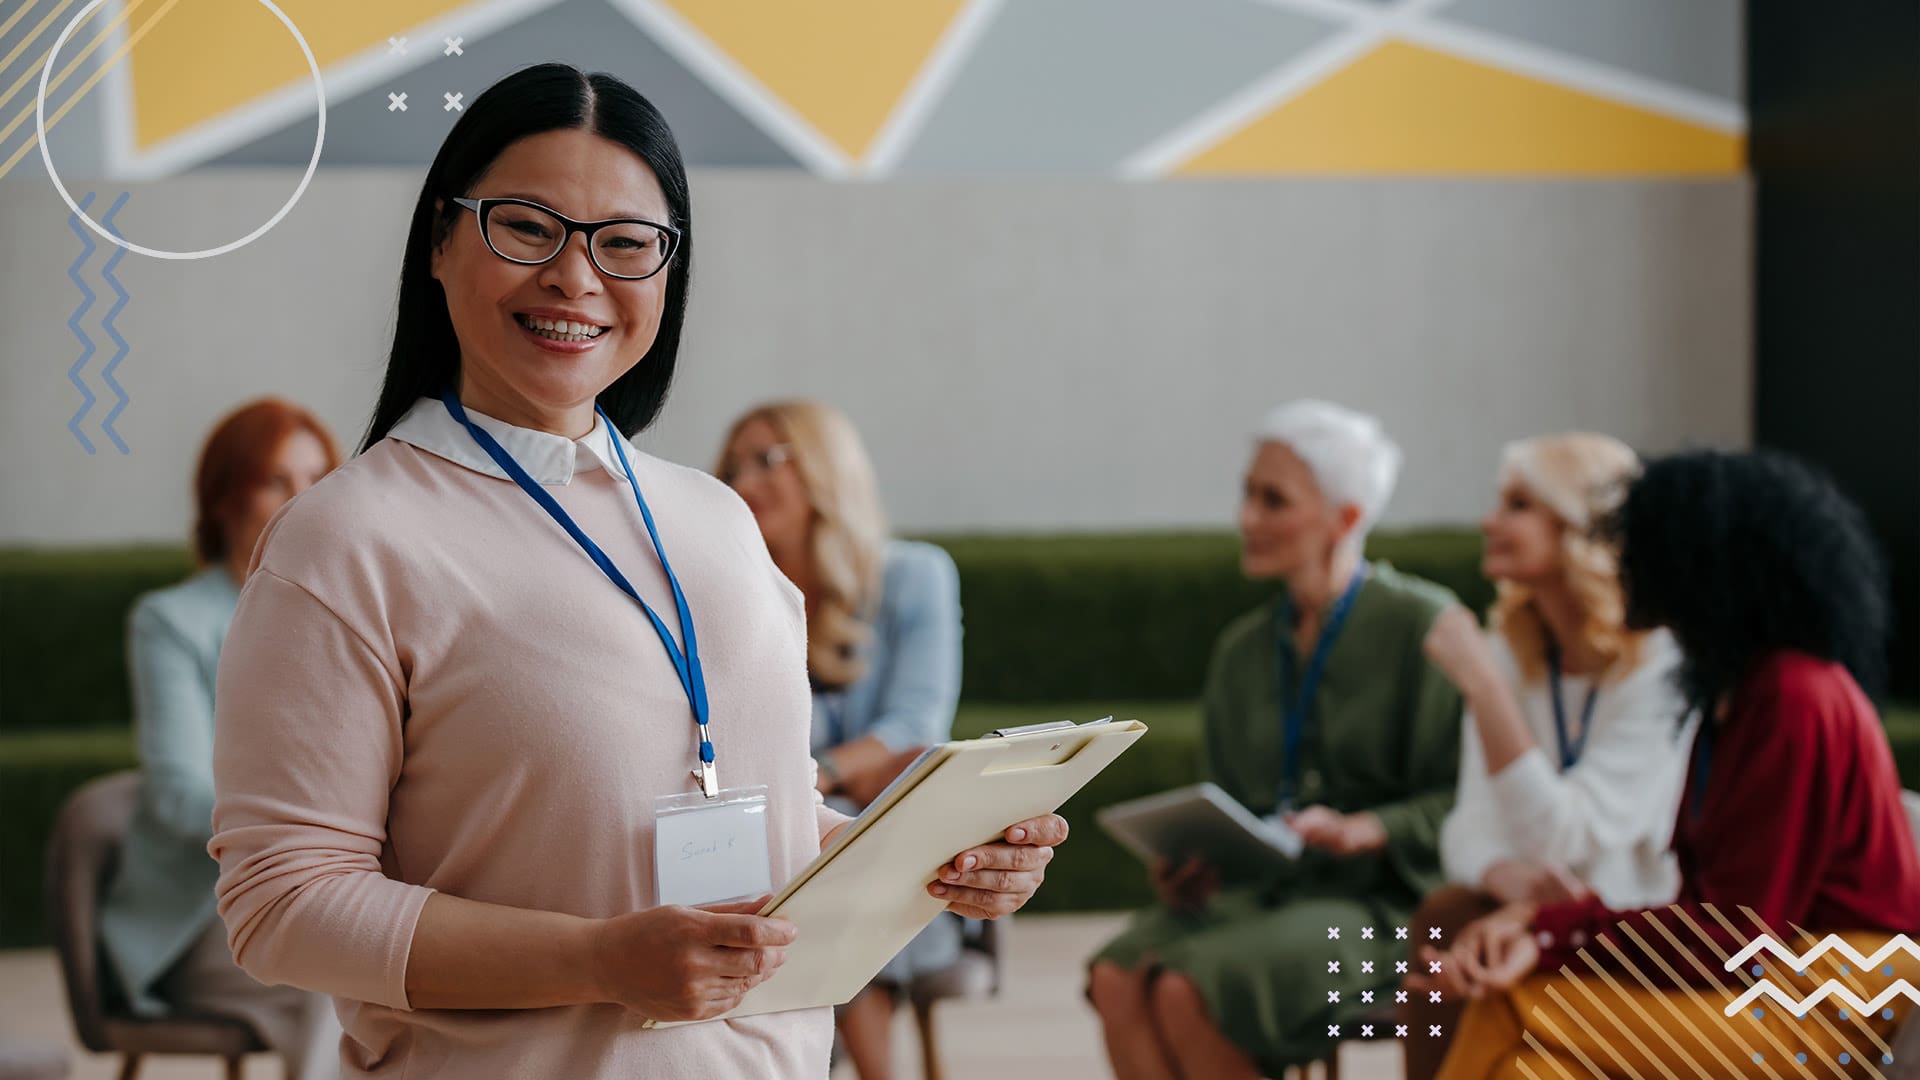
column 1573, row 759
column 883, row 642
column 1320, row 706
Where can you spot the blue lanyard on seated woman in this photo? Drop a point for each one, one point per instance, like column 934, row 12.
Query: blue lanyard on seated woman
column 1570, row 748
column 685, row 664
column 1293, row 718
column 1702, row 767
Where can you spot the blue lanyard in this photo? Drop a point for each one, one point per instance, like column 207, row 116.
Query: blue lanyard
column 1570, row 750
column 685, row 664
column 1294, row 717
column 1702, row 767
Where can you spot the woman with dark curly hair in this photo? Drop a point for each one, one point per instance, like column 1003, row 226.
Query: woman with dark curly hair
column 1791, row 824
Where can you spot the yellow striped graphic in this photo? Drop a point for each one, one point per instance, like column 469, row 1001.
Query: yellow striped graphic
column 92, row 80
column 1550, row 1057
column 1590, row 1032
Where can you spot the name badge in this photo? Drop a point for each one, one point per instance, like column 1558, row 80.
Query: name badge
column 711, row 850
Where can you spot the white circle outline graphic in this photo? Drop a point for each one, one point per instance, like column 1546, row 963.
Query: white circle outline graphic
column 46, row 155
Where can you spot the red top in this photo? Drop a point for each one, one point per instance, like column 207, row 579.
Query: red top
column 1800, row 821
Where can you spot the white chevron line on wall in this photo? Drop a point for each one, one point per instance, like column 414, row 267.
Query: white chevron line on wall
column 737, row 86
column 1366, row 27
column 929, row 85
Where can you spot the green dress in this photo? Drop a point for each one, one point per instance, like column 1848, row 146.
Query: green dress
column 1383, row 735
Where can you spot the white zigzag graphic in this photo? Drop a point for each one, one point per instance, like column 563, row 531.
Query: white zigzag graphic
column 1830, row 988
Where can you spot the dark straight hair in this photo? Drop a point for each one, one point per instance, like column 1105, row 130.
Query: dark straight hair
column 546, row 97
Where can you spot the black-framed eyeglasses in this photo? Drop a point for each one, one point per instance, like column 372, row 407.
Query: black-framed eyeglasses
column 524, row 232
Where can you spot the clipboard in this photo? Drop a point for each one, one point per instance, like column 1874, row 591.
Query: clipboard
column 864, row 898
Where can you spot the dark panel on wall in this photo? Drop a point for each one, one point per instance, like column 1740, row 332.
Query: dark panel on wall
column 1834, row 98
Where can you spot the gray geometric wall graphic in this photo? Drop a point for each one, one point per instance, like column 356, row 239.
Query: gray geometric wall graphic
column 589, row 34
column 1078, row 85
column 1691, row 43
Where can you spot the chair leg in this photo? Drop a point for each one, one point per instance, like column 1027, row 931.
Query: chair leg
column 929, row 1046
column 130, row 1067
column 235, row 1069
column 1333, row 1064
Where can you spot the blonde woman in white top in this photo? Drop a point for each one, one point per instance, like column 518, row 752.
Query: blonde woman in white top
column 1573, row 750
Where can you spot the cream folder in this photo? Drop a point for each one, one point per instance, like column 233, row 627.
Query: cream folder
column 865, row 897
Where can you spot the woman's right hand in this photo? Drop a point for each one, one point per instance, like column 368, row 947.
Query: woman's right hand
column 1189, row 886
column 1513, row 880
column 683, row 963
column 1458, row 647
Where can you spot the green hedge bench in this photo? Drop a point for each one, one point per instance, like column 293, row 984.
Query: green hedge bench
column 1056, row 628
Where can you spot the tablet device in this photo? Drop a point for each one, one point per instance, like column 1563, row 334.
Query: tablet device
column 1201, row 821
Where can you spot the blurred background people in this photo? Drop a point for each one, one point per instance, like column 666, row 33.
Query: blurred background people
column 1319, row 706
column 1791, row 823
column 158, row 927
column 1572, row 749
column 883, row 643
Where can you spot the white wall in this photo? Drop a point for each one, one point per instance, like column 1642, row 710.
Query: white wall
column 1030, row 354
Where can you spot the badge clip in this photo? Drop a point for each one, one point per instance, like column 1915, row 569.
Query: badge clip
column 709, row 778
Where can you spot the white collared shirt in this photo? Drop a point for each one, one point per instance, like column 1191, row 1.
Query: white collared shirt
column 550, row 459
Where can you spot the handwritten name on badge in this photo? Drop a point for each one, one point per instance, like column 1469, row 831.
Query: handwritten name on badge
column 713, row 853
column 692, row 850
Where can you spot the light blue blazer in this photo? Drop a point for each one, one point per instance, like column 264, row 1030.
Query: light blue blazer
column 161, row 899
column 905, row 698
column 911, row 686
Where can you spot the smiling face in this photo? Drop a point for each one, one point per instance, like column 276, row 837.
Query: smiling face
column 1523, row 537
column 1286, row 523
column 518, row 363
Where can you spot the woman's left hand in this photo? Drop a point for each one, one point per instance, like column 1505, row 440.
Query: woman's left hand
column 998, row 879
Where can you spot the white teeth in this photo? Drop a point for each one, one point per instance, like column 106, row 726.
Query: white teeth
column 562, row 329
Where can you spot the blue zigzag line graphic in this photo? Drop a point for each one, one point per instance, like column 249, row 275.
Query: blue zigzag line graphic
column 1900, row 943
column 119, row 343
column 73, row 324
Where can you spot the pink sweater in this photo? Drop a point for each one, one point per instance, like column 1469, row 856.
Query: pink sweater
column 429, row 686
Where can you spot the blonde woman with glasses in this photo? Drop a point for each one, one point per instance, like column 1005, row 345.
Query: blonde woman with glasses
column 883, row 641
column 1573, row 750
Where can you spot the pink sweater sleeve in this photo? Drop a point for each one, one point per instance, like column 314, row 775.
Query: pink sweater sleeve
column 307, row 748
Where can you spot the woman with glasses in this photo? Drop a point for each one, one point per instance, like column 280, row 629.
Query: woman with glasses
column 883, row 643
column 512, row 713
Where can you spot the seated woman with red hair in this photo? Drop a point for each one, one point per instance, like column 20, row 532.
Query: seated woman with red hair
column 157, row 926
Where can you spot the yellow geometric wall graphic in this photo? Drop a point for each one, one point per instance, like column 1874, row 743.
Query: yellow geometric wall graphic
column 1406, row 109
column 840, row 64
column 210, row 56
